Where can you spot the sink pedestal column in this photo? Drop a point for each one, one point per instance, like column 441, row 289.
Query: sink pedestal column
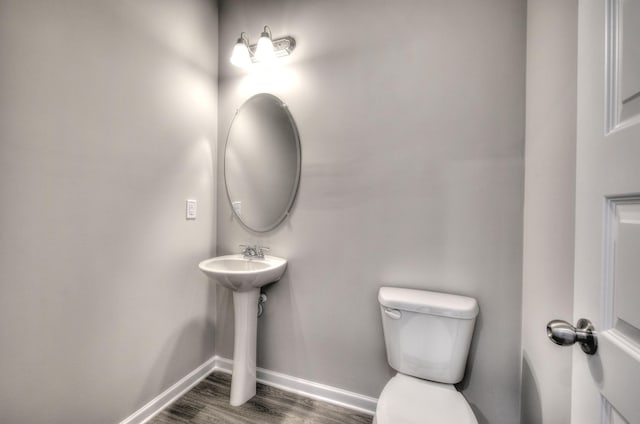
column 245, row 312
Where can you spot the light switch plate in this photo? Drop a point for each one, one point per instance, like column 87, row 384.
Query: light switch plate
column 192, row 208
column 237, row 207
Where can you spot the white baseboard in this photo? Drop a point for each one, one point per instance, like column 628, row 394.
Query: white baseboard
column 164, row 399
column 308, row 388
column 285, row 382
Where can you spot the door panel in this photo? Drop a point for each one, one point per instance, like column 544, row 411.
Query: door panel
column 626, row 291
column 607, row 264
column 629, row 57
column 623, row 62
column 620, row 338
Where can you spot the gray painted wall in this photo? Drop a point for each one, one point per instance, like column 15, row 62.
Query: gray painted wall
column 107, row 124
column 411, row 115
column 552, row 31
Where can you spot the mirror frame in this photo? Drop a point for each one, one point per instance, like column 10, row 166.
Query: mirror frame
column 294, row 191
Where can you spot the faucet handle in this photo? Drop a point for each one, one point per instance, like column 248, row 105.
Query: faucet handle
column 246, row 249
column 253, row 251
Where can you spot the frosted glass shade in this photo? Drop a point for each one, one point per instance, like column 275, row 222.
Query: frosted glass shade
column 240, row 56
column 264, row 50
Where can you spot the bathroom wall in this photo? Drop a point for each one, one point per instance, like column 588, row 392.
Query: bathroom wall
column 108, row 122
column 411, row 116
column 552, row 31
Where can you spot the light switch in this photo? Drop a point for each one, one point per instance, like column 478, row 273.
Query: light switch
column 192, row 209
column 237, row 207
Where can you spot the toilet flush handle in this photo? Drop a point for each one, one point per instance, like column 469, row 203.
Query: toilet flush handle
column 392, row 313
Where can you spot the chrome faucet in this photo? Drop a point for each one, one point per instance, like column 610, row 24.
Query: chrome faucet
column 253, row 252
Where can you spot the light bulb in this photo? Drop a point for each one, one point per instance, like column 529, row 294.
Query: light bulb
column 264, row 50
column 240, row 56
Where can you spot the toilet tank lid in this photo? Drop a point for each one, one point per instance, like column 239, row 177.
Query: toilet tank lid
column 428, row 302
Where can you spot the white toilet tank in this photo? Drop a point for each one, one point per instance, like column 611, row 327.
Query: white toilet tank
column 427, row 334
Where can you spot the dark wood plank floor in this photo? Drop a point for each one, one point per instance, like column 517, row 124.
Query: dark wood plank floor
column 208, row 402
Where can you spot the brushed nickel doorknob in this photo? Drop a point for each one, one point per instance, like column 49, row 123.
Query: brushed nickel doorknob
column 564, row 334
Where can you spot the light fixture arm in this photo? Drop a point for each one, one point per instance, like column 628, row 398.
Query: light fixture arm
column 244, row 38
column 266, row 32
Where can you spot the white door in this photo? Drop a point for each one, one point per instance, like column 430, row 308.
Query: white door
column 606, row 386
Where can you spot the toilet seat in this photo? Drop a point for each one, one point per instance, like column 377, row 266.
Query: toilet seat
column 410, row 400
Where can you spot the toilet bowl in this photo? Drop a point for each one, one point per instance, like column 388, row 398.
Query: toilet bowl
column 410, row 400
column 427, row 337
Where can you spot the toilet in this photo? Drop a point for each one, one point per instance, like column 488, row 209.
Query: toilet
column 427, row 336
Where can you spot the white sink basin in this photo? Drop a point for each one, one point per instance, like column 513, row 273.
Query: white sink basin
column 244, row 277
column 240, row 274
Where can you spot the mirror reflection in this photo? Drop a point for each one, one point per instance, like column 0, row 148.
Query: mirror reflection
column 262, row 162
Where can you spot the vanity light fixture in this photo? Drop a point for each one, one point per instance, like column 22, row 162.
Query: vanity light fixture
column 265, row 51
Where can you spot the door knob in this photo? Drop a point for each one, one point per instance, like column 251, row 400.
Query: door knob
column 564, row 334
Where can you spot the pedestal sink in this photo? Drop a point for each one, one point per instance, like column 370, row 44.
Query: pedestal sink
column 244, row 276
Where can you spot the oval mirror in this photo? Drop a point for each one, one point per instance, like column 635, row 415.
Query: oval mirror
column 262, row 162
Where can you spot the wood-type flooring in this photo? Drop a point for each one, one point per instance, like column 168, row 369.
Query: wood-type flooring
column 208, row 402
